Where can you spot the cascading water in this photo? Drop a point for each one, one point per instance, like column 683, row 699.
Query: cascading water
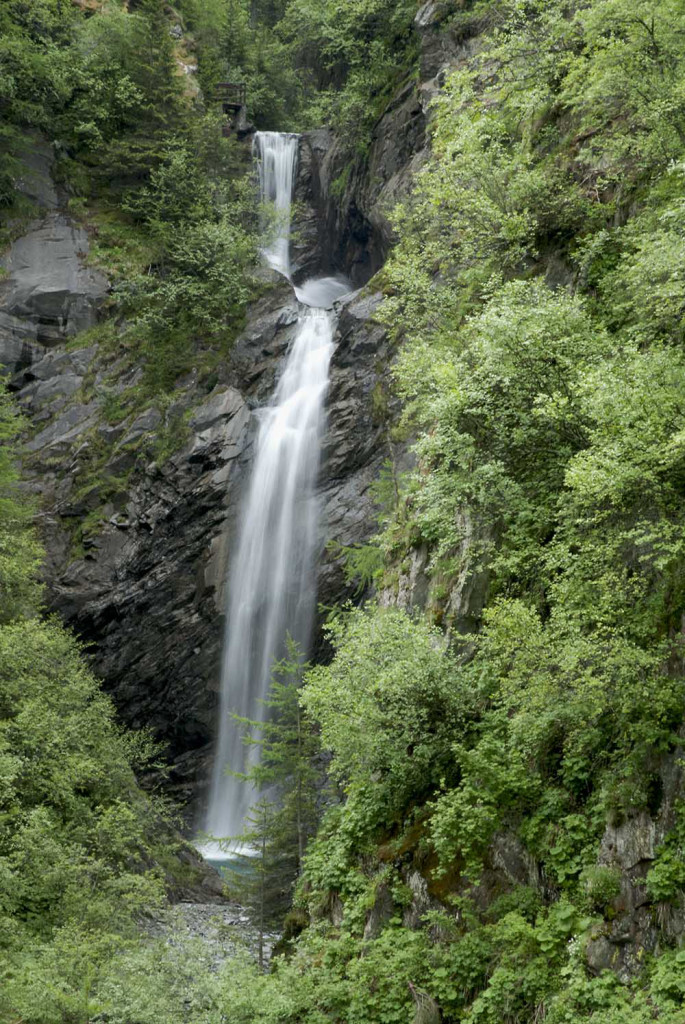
column 271, row 585
column 276, row 156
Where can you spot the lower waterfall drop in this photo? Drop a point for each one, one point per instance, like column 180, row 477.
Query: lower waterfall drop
column 272, row 582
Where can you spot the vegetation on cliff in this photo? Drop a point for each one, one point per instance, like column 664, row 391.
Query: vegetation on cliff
column 536, row 292
column 536, row 295
column 81, row 846
column 145, row 167
column 309, row 63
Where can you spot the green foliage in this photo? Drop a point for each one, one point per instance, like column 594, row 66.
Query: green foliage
column 602, row 885
column 181, row 254
column 34, row 76
column 287, row 748
column 276, row 91
column 20, row 555
column 105, row 85
column 127, row 95
column 309, row 63
column 386, row 708
column 666, row 878
column 262, row 878
column 165, row 194
column 178, row 193
column 501, row 398
column 362, row 46
column 362, row 564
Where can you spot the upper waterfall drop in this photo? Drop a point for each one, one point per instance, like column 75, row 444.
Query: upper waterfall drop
column 276, row 156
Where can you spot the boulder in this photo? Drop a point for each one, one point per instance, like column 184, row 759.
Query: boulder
column 48, row 293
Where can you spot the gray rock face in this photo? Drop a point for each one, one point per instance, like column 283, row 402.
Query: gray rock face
column 48, row 294
column 630, row 848
column 380, row 913
column 354, row 448
column 224, row 932
column 16, row 352
column 349, row 201
column 145, row 588
column 421, row 904
column 444, row 40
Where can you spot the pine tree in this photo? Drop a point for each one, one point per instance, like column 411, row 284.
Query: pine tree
column 285, row 817
column 162, row 111
column 157, row 74
column 262, row 877
column 288, row 746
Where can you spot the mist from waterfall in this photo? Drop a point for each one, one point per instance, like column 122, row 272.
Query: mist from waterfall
column 272, row 575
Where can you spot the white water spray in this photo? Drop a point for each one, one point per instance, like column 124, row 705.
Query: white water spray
column 272, row 577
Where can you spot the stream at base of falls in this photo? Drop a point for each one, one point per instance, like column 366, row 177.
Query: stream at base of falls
column 272, row 570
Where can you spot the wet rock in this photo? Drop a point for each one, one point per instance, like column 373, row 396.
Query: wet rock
column 309, row 252
column 347, row 228
column 52, row 393
column 421, row 903
column 46, row 366
column 354, row 447
column 600, row 954
column 347, row 201
column 380, row 913
column 149, row 589
column 197, row 881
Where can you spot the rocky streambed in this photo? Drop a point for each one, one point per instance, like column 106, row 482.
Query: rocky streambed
column 219, row 931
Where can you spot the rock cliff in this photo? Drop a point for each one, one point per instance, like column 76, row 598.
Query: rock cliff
column 47, row 293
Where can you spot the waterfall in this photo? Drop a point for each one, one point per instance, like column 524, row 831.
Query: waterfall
column 272, row 575
column 276, row 156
